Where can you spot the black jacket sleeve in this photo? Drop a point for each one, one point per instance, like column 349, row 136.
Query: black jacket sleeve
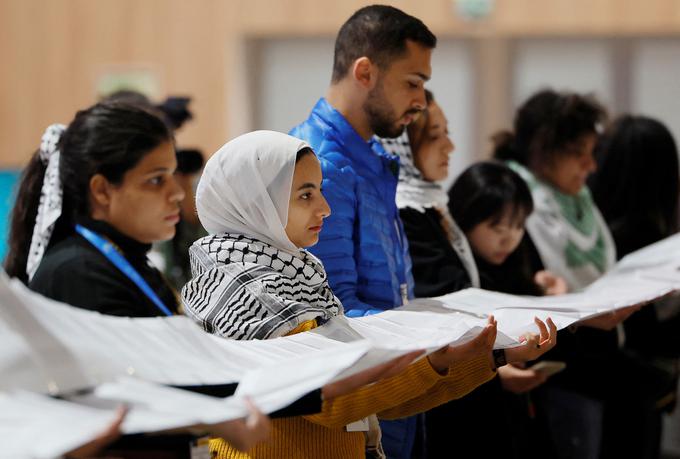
column 437, row 270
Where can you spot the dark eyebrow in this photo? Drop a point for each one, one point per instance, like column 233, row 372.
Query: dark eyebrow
column 158, row 169
column 423, row 76
column 307, row 185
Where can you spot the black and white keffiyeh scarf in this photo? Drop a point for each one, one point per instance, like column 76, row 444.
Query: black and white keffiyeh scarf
column 51, row 196
column 414, row 192
column 243, row 288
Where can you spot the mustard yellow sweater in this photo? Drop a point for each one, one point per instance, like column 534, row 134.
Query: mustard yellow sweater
column 417, row 389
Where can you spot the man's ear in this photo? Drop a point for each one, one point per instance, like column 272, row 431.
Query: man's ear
column 365, row 72
column 100, row 191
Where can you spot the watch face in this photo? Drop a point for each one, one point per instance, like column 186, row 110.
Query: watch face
column 499, row 357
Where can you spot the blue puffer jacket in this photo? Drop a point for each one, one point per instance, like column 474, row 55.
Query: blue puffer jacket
column 362, row 246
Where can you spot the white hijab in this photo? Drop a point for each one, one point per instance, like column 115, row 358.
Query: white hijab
column 245, row 187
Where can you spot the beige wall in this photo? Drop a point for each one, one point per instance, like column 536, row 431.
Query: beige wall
column 52, row 51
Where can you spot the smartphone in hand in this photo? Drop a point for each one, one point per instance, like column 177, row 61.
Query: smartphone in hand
column 548, row 367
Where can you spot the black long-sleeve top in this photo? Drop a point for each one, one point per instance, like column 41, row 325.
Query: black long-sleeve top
column 74, row 271
column 437, row 270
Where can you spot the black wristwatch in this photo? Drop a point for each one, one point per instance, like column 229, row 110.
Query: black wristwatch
column 499, row 358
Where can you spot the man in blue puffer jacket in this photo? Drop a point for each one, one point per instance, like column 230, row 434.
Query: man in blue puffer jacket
column 381, row 62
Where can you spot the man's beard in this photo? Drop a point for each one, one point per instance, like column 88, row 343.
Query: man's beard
column 381, row 116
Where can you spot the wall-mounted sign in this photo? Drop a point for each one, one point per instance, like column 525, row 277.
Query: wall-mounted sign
column 473, row 10
column 131, row 77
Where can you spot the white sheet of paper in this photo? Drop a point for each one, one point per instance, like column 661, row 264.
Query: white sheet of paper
column 154, row 407
column 275, row 386
column 36, row 426
column 66, row 349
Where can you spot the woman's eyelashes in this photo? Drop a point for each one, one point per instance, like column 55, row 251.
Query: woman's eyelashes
column 437, row 134
column 505, row 228
column 161, row 177
column 156, row 180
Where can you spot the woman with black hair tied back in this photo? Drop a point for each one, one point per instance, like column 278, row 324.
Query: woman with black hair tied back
column 172, row 256
column 108, row 176
column 92, row 200
column 636, row 187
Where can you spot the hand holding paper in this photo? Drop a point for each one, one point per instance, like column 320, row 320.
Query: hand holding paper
column 534, row 345
column 243, row 434
column 442, row 359
column 520, row 380
column 108, row 436
column 550, row 283
column 610, row 320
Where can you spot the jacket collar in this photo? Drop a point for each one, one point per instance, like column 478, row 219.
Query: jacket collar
column 131, row 248
column 370, row 155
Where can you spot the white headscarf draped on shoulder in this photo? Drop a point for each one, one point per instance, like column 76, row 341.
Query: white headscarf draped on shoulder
column 249, row 280
column 414, row 192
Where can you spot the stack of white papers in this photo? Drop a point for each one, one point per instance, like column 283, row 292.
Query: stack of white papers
column 48, row 347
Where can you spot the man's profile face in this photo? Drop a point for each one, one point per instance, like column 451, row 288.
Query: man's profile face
column 399, row 95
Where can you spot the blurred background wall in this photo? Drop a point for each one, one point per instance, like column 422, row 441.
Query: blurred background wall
column 259, row 64
column 263, row 63
column 255, row 64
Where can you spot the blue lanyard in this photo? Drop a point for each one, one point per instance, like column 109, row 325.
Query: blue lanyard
column 109, row 251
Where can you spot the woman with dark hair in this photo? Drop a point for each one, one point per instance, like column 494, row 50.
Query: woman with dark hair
column 491, row 202
column 637, row 161
column 93, row 198
column 636, row 187
column 172, row 256
column 110, row 171
column 551, row 147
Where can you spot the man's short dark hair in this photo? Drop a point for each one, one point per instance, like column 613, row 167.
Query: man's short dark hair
column 380, row 33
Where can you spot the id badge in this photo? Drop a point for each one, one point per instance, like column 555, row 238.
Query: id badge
column 404, row 294
column 200, row 448
column 358, row 426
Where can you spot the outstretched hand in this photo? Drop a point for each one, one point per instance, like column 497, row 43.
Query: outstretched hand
column 243, row 434
column 610, row 320
column 520, row 380
column 105, row 438
column 533, row 346
column 483, row 343
column 550, row 283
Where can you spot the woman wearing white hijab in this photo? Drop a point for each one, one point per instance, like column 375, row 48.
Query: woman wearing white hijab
column 260, row 199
